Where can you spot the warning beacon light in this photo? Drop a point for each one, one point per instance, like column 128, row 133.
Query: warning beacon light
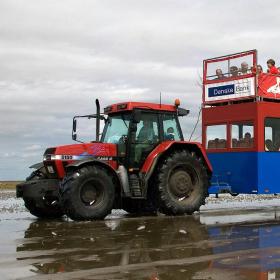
column 177, row 102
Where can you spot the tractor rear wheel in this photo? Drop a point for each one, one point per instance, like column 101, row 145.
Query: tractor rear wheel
column 88, row 193
column 182, row 184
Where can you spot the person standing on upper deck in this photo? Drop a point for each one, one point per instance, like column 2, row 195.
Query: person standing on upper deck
column 219, row 74
column 244, row 69
column 271, row 67
column 259, row 69
column 233, row 70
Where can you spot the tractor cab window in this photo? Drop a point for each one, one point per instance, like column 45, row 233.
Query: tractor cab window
column 171, row 130
column 116, row 127
column 147, row 129
column 242, row 135
column 272, row 134
column 144, row 139
column 216, row 136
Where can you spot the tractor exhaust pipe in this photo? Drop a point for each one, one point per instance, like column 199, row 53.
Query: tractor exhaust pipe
column 97, row 119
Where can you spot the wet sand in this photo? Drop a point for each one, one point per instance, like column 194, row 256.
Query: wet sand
column 223, row 241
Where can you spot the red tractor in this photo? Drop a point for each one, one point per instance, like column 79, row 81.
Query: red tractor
column 140, row 164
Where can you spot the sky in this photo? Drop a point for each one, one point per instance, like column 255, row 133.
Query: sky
column 57, row 57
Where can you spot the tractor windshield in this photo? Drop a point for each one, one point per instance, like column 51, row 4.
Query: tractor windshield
column 116, row 127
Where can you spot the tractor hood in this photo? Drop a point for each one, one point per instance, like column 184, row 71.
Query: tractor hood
column 81, row 152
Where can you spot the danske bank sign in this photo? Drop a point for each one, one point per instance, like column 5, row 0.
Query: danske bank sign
column 228, row 90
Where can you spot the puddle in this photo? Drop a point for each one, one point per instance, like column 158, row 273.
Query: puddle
column 240, row 244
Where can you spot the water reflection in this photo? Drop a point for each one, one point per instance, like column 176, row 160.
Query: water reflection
column 152, row 248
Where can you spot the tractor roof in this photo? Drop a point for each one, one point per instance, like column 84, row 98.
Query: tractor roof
column 129, row 106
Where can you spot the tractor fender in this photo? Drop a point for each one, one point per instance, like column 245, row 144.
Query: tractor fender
column 153, row 158
column 82, row 163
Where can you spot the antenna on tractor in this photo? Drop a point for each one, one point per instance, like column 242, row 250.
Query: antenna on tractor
column 160, row 99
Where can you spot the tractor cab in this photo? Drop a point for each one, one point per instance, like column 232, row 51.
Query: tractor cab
column 140, row 128
column 136, row 129
column 241, row 124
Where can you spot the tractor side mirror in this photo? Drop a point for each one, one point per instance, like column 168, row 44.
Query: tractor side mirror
column 74, row 125
column 136, row 117
column 74, row 128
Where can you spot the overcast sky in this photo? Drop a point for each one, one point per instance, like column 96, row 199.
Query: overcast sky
column 56, row 57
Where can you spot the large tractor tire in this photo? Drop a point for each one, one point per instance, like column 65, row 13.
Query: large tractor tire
column 88, row 193
column 41, row 207
column 45, row 211
column 182, row 184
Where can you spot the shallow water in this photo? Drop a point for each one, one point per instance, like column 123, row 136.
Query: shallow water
column 213, row 244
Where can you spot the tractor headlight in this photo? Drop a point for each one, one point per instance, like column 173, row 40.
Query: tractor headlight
column 50, row 169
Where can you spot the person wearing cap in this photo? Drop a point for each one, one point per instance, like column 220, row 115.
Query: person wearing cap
column 271, row 67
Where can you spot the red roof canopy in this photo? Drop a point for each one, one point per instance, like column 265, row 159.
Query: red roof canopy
column 129, row 106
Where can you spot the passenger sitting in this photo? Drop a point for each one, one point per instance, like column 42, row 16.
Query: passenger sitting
column 146, row 133
column 222, row 143
column 216, row 142
column 248, row 140
column 276, row 142
column 233, row 71
column 211, row 144
column 219, row 74
column 170, row 134
column 234, row 143
column 271, row 67
column 244, row 68
column 269, row 145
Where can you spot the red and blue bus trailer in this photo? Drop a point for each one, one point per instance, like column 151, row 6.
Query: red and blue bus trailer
column 241, row 125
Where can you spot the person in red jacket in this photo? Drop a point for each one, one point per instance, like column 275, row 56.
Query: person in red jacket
column 271, row 67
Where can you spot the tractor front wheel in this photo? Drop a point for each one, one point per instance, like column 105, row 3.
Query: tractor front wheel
column 182, row 184
column 40, row 195
column 88, row 193
column 45, row 210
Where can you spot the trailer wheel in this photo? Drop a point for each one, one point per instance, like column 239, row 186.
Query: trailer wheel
column 182, row 184
column 88, row 194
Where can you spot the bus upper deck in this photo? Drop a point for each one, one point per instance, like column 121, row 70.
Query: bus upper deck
column 241, row 124
column 236, row 78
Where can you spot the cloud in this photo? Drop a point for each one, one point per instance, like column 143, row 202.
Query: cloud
column 58, row 56
column 33, row 147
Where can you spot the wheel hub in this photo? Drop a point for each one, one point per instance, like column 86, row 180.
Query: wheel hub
column 181, row 184
column 90, row 193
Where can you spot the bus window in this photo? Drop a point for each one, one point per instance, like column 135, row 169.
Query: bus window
column 272, row 134
column 216, row 136
column 242, row 135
